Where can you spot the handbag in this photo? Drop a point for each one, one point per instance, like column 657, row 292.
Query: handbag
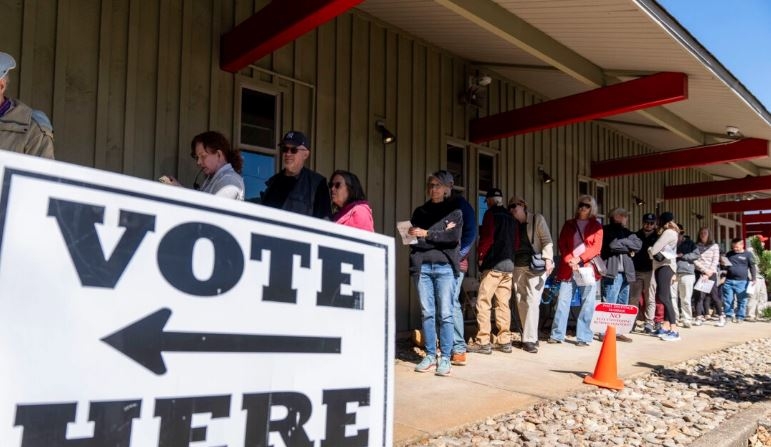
column 599, row 265
column 537, row 263
column 659, row 257
column 596, row 261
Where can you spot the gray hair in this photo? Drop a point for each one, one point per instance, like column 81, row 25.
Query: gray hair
column 498, row 201
column 586, row 198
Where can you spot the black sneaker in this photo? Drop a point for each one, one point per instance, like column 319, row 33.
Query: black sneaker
column 529, row 347
column 503, row 347
column 479, row 349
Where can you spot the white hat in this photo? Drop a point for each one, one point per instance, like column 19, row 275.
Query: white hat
column 7, row 63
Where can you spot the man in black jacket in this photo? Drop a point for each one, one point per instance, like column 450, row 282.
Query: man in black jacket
column 495, row 251
column 643, row 267
column 617, row 245
column 297, row 188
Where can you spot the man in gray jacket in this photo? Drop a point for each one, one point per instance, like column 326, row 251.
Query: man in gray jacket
column 532, row 237
column 618, row 246
column 682, row 289
column 22, row 129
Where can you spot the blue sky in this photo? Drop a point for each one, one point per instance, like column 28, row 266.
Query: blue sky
column 737, row 32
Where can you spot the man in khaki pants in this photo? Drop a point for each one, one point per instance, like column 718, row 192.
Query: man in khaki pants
column 495, row 260
column 532, row 237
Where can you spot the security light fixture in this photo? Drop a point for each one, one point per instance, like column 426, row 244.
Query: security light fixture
column 637, row 200
column 733, row 131
column 388, row 136
column 545, row 177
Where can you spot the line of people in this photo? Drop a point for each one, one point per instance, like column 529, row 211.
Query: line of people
column 516, row 257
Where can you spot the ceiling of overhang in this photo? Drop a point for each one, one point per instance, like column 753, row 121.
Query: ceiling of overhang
column 616, row 35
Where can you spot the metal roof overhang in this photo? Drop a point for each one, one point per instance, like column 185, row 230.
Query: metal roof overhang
column 563, row 47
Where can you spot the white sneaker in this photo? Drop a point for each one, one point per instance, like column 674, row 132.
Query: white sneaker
column 721, row 321
column 686, row 324
column 697, row 322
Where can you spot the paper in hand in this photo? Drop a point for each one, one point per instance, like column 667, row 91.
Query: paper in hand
column 403, row 228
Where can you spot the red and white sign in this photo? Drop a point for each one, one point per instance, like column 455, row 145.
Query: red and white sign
column 621, row 316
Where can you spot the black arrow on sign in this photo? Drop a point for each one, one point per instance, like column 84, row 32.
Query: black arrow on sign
column 144, row 341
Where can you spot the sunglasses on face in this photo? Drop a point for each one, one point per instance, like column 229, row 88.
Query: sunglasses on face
column 290, row 149
column 584, row 205
column 335, row 185
column 649, row 223
column 434, row 185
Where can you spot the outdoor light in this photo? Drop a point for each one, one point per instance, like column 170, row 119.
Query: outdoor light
column 388, row 136
column 545, row 177
column 637, row 200
column 697, row 215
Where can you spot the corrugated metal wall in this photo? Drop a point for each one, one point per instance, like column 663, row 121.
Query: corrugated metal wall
column 128, row 83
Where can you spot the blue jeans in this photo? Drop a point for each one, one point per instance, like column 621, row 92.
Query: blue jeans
column 736, row 287
column 436, row 284
column 458, row 342
column 583, row 325
column 616, row 289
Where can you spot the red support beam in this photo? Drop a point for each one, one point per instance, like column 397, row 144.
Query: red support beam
column 740, row 206
column 734, row 186
column 752, row 219
column 743, row 149
column 275, row 25
column 641, row 93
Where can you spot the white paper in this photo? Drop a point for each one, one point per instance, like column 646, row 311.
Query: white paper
column 704, row 285
column 403, row 228
column 750, row 288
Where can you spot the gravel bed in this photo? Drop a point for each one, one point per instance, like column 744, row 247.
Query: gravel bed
column 670, row 406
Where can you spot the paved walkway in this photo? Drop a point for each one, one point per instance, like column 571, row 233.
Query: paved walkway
column 501, row 383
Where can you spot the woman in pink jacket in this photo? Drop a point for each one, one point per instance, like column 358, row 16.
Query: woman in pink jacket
column 349, row 202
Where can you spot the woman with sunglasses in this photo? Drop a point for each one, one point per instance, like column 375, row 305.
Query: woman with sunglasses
column 579, row 242
column 434, row 267
column 219, row 162
column 349, row 203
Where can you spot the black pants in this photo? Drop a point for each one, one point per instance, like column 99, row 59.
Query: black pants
column 703, row 299
column 663, row 276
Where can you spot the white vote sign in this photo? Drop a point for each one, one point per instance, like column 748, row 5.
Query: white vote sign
column 137, row 314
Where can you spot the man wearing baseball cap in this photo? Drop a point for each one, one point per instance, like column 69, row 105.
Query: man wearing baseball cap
column 21, row 128
column 643, row 267
column 297, row 188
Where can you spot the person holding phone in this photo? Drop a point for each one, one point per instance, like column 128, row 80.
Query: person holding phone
column 219, row 162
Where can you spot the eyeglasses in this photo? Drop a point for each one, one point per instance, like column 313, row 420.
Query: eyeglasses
column 649, row 223
column 434, row 185
column 336, row 185
column 584, row 205
column 291, row 149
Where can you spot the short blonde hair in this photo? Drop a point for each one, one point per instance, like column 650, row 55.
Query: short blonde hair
column 517, row 200
column 586, row 198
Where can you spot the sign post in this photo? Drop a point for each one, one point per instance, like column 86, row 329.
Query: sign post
column 134, row 314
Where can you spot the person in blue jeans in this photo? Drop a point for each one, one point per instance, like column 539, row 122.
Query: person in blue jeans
column 579, row 242
column 434, row 266
column 618, row 246
column 740, row 272
column 467, row 238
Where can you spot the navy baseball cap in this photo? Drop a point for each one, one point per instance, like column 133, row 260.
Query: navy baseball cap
column 7, row 63
column 649, row 217
column 494, row 192
column 294, row 138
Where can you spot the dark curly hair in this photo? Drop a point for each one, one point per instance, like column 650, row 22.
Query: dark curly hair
column 214, row 141
column 355, row 190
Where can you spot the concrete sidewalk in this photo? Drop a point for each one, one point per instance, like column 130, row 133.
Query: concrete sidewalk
column 500, row 383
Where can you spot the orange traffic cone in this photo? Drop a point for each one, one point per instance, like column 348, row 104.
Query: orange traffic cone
column 605, row 374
